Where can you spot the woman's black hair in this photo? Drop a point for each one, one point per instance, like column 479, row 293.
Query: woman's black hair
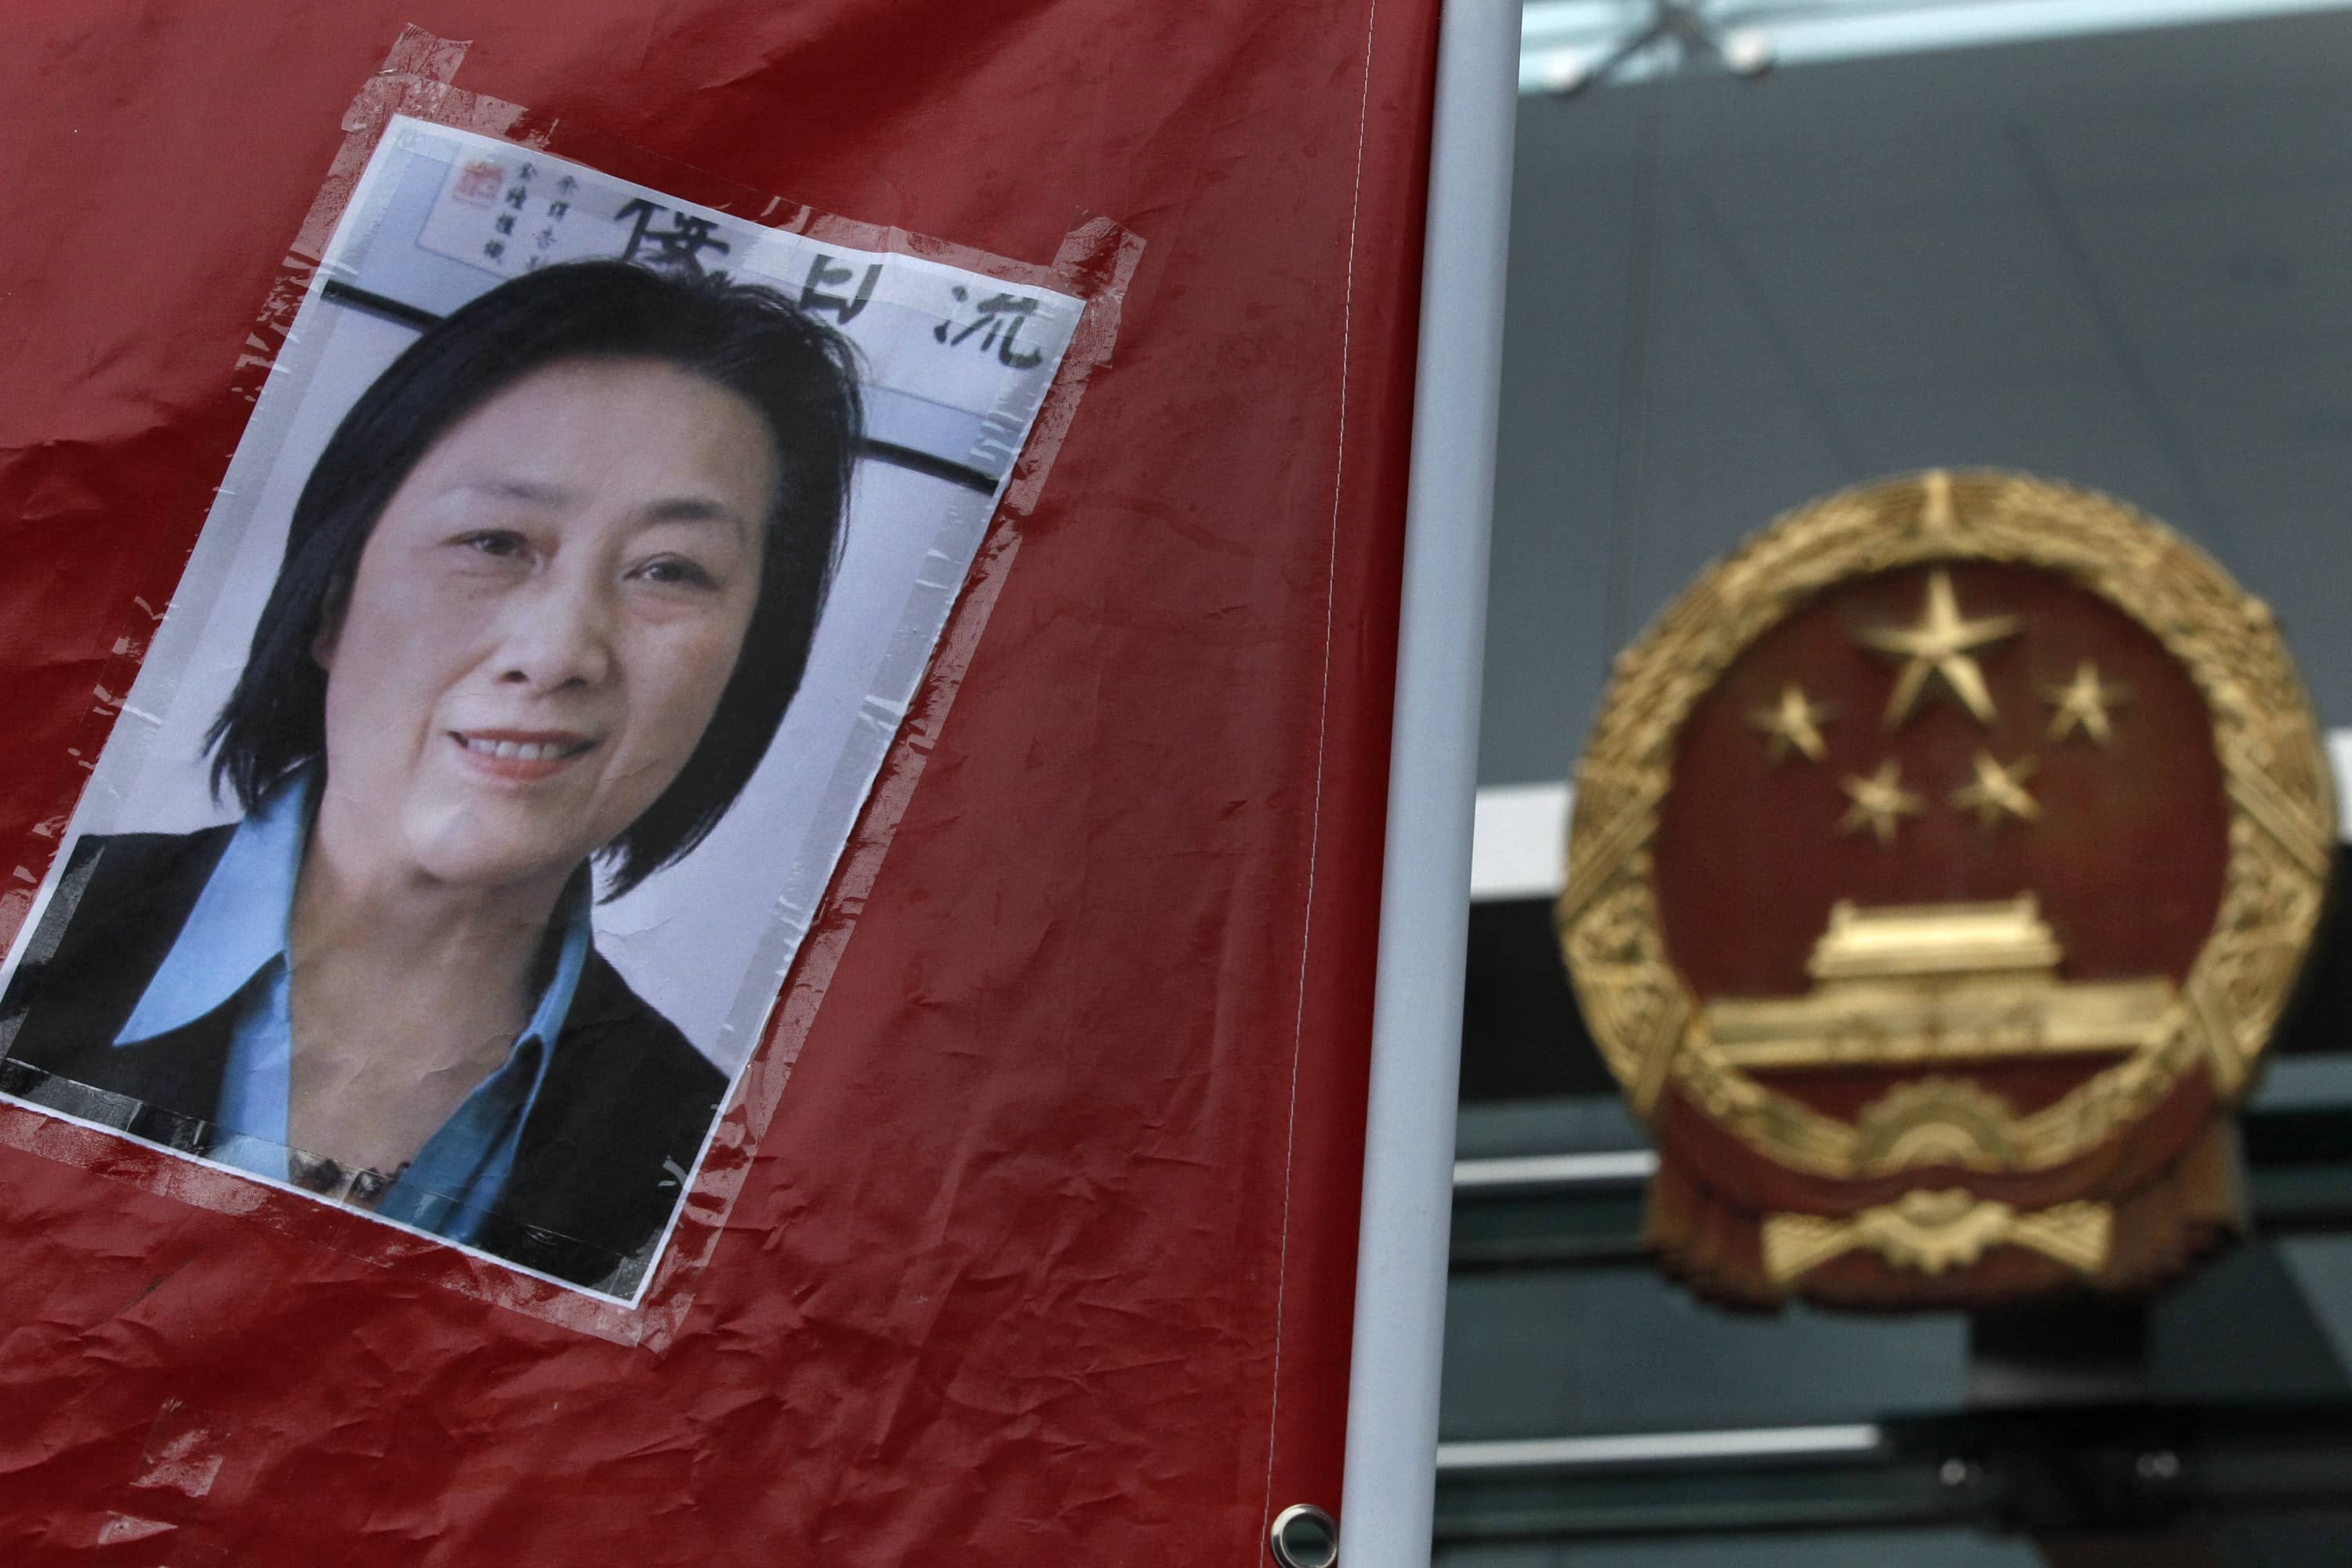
column 799, row 374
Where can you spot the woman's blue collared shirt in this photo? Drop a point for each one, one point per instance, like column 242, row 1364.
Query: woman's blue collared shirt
column 232, row 954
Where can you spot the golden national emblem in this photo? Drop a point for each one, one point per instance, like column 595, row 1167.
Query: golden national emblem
column 1940, row 863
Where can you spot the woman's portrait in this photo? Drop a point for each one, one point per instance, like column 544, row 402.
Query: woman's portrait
column 545, row 598
column 479, row 784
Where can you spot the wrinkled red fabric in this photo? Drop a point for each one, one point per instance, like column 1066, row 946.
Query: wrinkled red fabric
column 1047, row 1254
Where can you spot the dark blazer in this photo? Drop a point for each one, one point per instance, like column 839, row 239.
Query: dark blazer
column 602, row 1159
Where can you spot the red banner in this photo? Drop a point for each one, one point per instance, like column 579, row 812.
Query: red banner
column 1027, row 1228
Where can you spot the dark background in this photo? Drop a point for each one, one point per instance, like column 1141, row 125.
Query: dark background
column 2122, row 260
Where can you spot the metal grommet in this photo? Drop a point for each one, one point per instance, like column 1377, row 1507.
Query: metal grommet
column 1304, row 1536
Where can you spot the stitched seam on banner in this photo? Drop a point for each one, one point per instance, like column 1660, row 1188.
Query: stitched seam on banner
column 1322, row 732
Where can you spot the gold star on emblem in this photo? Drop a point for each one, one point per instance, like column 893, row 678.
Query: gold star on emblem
column 1792, row 724
column 1939, row 646
column 1879, row 801
column 1998, row 792
column 2083, row 703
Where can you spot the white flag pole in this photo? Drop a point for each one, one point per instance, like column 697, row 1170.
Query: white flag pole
column 1391, row 1456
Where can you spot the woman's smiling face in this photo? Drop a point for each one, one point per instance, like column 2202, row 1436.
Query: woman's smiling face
column 542, row 622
